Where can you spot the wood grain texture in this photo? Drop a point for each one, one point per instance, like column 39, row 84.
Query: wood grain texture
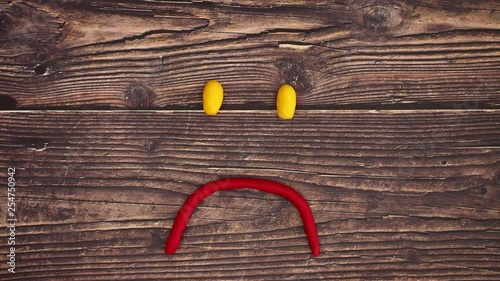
column 407, row 195
column 338, row 54
column 396, row 143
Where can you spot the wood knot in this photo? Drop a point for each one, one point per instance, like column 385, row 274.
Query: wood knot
column 7, row 102
column 6, row 22
column 382, row 19
column 152, row 146
column 294, row 73
column 483, row 190
column 139, row 95
column 36, row 144
column 41, row 57
column 40, row 69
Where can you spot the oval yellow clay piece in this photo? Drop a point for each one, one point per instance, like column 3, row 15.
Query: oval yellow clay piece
column 286, row 102
column 212, row 97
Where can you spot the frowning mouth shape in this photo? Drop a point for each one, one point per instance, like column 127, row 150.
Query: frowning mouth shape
column 182, row 218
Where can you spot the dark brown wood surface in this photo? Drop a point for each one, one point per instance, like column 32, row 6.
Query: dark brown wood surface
column 395, row 144
column 354, row 54
column 396, row 194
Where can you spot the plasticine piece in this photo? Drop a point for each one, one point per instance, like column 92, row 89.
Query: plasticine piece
column 182, row 218
column 286, row 102
column 212, row 97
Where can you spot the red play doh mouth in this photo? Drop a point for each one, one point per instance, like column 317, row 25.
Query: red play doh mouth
column 182, row 218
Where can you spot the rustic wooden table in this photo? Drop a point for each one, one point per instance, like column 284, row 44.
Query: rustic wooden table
column 395, row 143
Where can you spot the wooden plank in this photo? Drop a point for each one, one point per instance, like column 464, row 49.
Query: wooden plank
column 396, row 194
column 338, row 54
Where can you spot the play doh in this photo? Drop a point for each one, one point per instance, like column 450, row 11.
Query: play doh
column 184, row 214
column 212, row 97
column 286, row 102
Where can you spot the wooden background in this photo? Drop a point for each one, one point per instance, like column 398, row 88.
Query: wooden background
column 395, row 144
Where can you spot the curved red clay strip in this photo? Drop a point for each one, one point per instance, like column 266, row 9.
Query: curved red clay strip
column 182, row 218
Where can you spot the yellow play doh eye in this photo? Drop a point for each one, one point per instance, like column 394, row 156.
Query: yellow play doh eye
column 212, row 97
column 286, row 102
